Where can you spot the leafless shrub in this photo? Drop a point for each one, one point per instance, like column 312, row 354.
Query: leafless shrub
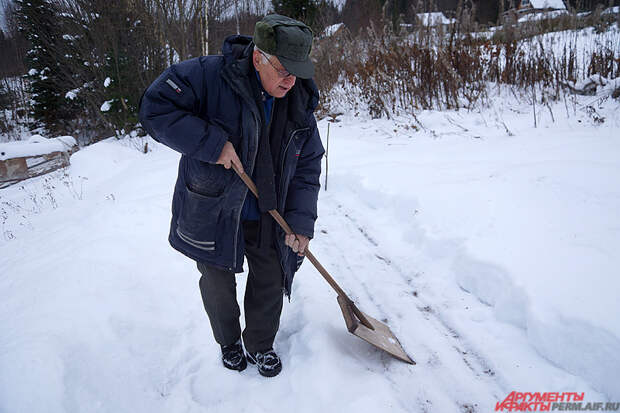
column 452, row 66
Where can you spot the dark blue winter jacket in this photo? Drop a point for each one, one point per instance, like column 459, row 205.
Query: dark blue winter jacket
column 197, row 105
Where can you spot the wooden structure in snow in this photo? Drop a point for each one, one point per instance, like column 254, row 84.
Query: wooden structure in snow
column 37, row 156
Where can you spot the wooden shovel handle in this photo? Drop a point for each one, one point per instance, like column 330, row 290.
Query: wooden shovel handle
column 330, row 280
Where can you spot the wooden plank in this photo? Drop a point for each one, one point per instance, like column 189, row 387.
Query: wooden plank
column 349, row 317
column 13, row 168
column 18, row 169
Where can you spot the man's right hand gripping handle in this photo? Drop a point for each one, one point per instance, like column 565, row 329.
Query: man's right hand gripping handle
column 228, row 157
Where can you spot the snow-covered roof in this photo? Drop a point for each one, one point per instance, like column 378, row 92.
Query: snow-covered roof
column 432, row 19
column 35, row 146
column 548, row 4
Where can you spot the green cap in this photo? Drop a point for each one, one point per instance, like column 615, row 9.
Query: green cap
column 287, row 39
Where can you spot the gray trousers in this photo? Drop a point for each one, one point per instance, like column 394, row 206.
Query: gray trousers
column 263, row 296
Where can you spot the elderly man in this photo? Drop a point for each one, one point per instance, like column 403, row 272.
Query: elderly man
column 251, row 107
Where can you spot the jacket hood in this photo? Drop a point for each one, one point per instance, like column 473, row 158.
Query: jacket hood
column 312, row 93
column 236, row 47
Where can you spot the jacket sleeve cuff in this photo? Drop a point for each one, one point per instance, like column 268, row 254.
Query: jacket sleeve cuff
column 305, row 230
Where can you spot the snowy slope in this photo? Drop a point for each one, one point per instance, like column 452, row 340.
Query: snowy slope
column 488, row 245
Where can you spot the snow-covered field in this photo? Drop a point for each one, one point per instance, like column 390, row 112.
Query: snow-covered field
column 490, row 246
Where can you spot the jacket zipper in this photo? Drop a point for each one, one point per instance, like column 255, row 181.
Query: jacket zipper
column 295, row 132
column 245, row 192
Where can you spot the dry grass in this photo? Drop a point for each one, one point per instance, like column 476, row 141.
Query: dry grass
column 451, row 67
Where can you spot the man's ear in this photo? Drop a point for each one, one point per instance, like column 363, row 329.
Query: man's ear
column 256, row 59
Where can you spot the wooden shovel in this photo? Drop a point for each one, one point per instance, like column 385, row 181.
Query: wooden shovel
column 362, row 325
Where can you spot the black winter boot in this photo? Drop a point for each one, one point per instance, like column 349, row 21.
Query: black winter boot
column 233, row 357
column 268, row 362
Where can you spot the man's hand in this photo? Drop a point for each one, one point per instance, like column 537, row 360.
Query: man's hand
column 297, row 242
column 228, row 157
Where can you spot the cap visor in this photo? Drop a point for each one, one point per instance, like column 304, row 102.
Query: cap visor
column 303, row 70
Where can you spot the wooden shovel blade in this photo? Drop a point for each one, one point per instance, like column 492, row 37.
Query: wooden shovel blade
column 379, row 336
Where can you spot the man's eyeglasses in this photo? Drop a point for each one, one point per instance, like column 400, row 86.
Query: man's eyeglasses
column 281, row 72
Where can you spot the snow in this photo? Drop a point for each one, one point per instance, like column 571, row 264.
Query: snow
column 70, row 95
column 107, row 82
column 34, row 146
column 601, row 85
column 581, row 42
column 492, row 257
column 611, row 10
column 487, row 244
column 33, row 72
column 331, row 30
column 549, row 197
column 553, row 14
column 433, row 19
column 106, row 105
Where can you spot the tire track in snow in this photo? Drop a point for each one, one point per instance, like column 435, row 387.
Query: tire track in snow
column 427, row 311
column 473, row 361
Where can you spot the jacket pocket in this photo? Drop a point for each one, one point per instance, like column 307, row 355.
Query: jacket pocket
column 198, row 220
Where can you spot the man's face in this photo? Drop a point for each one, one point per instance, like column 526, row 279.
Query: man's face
column 273, row 82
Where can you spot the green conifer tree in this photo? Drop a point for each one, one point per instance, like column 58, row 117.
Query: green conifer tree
column 123, row 83
column 37, row 21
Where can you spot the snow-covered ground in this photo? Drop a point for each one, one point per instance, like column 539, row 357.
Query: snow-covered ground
column 553, row 14
column 488, row 245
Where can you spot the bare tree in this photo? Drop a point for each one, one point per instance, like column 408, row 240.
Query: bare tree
column 109, row 52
